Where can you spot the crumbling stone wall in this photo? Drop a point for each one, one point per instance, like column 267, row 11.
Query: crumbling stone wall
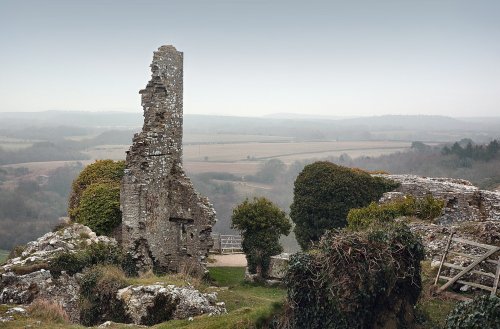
column 463, row 201
column 166, row 225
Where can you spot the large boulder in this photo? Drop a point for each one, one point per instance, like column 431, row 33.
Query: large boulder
column 27, row 277
column 151, row 304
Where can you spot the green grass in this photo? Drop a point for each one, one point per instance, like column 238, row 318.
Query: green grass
column 247, row 304
column 3, row 255
column 432, row 310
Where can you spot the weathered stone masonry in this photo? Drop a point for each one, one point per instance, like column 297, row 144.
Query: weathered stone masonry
column 166, row 225
column 463, row 201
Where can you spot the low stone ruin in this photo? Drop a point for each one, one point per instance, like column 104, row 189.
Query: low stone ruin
column 463, row 201
column 157, row 303
column 27, row 277
column 166, row 225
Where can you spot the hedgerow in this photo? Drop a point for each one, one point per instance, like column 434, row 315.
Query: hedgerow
column 355, row 279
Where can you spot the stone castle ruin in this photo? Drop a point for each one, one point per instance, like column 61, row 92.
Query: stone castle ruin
column 463, row 201
column 166, row 224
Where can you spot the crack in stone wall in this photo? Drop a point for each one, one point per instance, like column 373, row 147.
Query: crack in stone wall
column 166, row 224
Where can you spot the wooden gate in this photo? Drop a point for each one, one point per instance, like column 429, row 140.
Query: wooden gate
column 473, row 268
column 226, row 243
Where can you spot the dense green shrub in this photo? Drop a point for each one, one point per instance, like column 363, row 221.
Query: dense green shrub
column 481, row 313
column 97, row 253
column 325, row 192
column 101, row 171
column 261, row 223
column 98, row 288
column 424, row 208
column 355, row 279
column 99, row 208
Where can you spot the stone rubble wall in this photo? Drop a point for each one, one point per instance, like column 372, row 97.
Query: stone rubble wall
column 463, row 201
column 166, row 224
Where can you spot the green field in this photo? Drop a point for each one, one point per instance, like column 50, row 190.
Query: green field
column 3, row 255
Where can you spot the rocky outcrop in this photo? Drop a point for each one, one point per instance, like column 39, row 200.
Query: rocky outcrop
column 463, row 201
column 27, row 277
column 278, row 266
column 166, row 225
column 152, row 304
column 70, row 239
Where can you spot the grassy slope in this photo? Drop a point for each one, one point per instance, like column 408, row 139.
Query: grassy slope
column 432, row 310
column 3, row 255
column 246, row 304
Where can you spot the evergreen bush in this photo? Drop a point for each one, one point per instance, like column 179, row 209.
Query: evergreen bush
column 325, row 192
column 481, row 313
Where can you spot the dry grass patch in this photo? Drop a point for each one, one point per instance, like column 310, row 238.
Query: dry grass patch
column 48, row 311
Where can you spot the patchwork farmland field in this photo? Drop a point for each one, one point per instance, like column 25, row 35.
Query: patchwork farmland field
column 240, row 158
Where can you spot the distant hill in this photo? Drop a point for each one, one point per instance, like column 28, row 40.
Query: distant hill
column 301, row 127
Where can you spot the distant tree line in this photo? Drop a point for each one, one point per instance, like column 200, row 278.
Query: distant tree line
column 475, row 152
column 28, row 209
column 39, row 152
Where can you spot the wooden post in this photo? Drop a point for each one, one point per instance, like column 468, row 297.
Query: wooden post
column 497, row 277
column 444, row 257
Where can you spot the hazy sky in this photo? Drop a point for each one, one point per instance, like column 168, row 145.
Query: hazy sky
column 339, row 58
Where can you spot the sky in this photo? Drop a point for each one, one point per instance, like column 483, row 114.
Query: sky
column 254, row 58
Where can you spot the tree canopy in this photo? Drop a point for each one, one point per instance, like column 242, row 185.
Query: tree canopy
column 261, row 223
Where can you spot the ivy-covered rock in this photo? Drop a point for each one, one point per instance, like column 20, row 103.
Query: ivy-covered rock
column 368, row 279
column 481, row 313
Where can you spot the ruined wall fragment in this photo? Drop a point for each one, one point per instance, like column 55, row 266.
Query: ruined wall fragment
column 166, row 225
column 463, row 201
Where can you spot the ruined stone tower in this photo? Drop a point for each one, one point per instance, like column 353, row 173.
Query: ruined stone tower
column 166, row 225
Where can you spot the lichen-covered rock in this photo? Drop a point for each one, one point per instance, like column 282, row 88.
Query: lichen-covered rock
column 23, row 289
column 151, row 304
column 27, row 277
column 278, row 266
column 463, row 201
column 72, row 238
column 166, row 224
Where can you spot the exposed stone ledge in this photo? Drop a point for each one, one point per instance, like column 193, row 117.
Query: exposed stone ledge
column 151, row 304
column 463, row 201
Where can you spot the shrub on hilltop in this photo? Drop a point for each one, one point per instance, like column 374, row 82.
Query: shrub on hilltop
column 95, row 196
column 325, row 192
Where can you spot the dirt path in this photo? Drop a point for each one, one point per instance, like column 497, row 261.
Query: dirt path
column 228, row 260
